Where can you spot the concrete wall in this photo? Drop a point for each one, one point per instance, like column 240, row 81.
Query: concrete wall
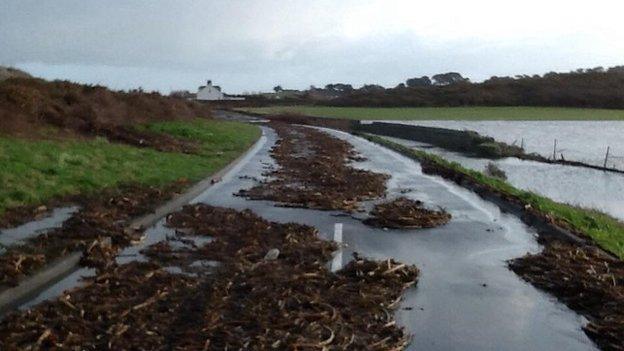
column 457, row 140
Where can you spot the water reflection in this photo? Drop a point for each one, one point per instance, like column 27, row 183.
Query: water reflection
column 584, row 187
column 584, row 141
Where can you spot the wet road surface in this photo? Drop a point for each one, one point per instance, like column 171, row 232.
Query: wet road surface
column 465, row 299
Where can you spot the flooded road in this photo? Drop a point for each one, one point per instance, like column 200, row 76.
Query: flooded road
column 466, row 297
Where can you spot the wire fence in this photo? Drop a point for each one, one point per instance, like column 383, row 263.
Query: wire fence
column 609, row 157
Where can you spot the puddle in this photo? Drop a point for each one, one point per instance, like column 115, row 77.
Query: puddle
column 71, row 281
column 17, row 235
column 205, row 264
column 154, row 234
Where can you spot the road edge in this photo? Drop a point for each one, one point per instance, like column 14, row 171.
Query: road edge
column 33, row 285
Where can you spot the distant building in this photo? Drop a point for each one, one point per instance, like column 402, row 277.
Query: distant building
column 211, row 92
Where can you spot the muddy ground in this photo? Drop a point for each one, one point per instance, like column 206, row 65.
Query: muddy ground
column 271, row 290
column 98, row 229
column 314, row 172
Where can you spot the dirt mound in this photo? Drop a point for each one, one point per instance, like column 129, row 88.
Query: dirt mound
column 314, row 173
column 28, row 106
column 403, row 213
column 252, row 301
column 587, row 281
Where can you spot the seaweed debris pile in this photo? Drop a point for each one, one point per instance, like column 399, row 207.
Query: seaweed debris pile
column 98, row 229
column 314, row 173
column 586, row 280
column 404, row 213
column 272, row 290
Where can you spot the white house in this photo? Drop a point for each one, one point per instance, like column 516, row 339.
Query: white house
column 210, row 92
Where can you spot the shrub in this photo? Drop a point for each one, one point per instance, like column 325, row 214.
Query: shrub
column 492, row 170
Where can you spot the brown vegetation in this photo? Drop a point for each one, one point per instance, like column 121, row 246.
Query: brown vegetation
column 295, row 118
column 586, row 280
column 403, row 213
column 29, row 107
column 9, row 72
column 314, row 173
column 289, row 301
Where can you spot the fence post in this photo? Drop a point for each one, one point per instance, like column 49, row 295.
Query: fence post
column 606, row 157
column 555, row 151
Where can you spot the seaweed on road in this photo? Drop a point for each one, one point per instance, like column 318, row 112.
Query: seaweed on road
column 315, row 173
column 403, row 213
column 586, row 280
column 103, row 218
column 253, row 300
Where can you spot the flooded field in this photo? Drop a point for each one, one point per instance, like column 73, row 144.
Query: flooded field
column 584, row 141
column 573, row 185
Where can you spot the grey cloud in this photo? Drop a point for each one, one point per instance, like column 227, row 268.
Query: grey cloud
column 252, row 45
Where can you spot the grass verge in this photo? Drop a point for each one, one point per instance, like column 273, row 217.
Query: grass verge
column 32, row 172
column 519, row 113
column 605, row 230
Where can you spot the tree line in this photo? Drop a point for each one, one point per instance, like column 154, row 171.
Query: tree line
column 595, row 87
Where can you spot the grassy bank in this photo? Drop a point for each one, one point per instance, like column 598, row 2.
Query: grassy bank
column 32, row 172
column 447, row 113
column 605, row 230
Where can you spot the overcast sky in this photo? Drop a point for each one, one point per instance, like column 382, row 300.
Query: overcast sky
column 256, row 44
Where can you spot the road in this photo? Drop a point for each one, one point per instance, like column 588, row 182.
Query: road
column 466, row 297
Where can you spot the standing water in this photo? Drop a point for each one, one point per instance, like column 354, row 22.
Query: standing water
column 584, row 141
column 584, row 187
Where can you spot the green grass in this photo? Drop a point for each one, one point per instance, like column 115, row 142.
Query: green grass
column 447, row 113
column 32, row 172
column 605, row 230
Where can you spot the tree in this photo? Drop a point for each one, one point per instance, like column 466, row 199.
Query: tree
column 278, row 88
column 616, row 69
column 423, row 81
column 183, row 94
column 372, row 88
column 339, row 88
column 449, row 78
column 598, row 69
